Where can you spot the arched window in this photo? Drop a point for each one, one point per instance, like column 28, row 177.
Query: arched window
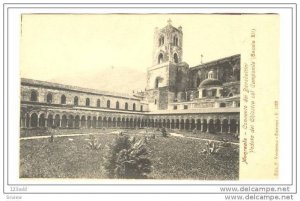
column 87, row 102
column 161, row 40
column 133, row 107
column 211, row 74
column 76, row 101
column 33, row 95
column 175, row 41
column 117, row 105
column 98, row 103
column 49, row 98
column 160, row 58
column 175, row 58
column 126, row 106
column 63, row 99
column 108, row 103
column 141, row 108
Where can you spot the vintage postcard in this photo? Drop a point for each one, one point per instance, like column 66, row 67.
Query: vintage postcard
column 144, row 96
column 147, row 98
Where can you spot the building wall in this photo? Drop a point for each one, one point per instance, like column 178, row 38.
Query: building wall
column 226, row 70
column 70, row 95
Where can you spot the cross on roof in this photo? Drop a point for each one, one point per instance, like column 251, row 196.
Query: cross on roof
column 169, row 21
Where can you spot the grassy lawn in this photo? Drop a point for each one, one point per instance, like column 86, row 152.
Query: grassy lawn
column 43, row 132
column 172, row 158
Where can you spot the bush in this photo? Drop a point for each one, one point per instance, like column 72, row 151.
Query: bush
column 93, row 143
column 164, row 132
column 127, row 158
column 211, row 148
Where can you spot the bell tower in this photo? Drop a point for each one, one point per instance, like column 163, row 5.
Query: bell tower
column 168, row 73
column 167, row 44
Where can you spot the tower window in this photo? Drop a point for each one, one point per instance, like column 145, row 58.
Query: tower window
column 126, row 106
column 161, row 40
column 175, row 58
column 133, row 107
column 117, row 105
column 141, row 108
column 160, row 58
column 175, row 41
column 156, row 82
column 108, row 103
column 98, row 103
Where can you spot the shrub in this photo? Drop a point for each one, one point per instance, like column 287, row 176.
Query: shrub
column 153, row 136
column 211, row 148
column 127, row 158
column 164, row 132
column 93, row 143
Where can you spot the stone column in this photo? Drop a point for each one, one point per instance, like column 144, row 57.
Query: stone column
column 221, row 130
column 29, row 126
column 237, row 128
column 46, row 122
column 202, row 126
column 59, row 122
column 67, row 126
column 229, row 127
column 38, row 122
column 22, row 122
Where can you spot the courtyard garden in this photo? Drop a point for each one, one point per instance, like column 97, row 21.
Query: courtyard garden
column 82, row 154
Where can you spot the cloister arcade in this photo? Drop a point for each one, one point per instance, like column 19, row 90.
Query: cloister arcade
column 211, row 123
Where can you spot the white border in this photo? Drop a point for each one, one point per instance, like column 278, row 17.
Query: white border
column 285, row 110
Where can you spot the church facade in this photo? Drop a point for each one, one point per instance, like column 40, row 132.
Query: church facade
column 205, row 97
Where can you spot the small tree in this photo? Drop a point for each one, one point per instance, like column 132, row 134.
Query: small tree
column 127, row 158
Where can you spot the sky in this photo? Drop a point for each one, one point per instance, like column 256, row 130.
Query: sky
column 112, row 52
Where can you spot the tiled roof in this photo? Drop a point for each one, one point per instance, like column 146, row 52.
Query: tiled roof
column 214, row 62
column 26, row 81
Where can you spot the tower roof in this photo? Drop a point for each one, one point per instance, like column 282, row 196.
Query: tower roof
column 169, row 26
